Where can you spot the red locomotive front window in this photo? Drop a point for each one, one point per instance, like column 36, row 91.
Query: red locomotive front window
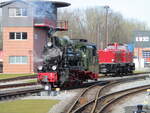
column 110, row 47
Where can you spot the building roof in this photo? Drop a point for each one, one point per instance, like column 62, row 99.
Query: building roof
column 55, row 3
column 60, row 4
column 2, row 4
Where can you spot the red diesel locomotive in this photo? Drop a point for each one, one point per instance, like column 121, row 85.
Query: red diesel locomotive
column 115, row 59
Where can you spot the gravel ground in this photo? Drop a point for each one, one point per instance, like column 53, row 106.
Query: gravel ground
column 130, row 84
column 129, row 105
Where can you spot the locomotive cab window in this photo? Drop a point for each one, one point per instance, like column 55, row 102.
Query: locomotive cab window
column 83, row 49
column 94, row 51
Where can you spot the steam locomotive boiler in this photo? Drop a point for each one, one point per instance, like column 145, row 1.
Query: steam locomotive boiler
column 115, row 59
column 67, row 61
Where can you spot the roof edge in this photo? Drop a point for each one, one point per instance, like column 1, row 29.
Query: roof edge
column 55, row 3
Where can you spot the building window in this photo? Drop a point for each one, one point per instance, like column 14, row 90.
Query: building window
column 146, row 54
column 142, row 39
column 18, row 35
column 18, row 59
column 17, row 12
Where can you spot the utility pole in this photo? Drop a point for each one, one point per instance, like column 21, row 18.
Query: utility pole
column 106, row 25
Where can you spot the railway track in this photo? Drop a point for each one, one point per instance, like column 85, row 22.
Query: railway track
column 16, row 94
column 140, row 73
column 16, row 90
column 83, row 97
column 17, row 85
column 101, row 104
column 104, row 103
column 98, row 100
column 35, row 76
column 139, row 76
column 133, row 74
column 112, row 98
column 96, row 90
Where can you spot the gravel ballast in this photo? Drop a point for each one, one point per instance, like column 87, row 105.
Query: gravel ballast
column 128, row 105
column 130, row 84
column 131, row 102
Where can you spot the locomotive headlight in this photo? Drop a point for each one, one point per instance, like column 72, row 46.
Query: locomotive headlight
column 40, row 68
column 54, row 68
column 112, row 60
column 49, row 44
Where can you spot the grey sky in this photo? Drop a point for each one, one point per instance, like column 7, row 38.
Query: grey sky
column 131, row 9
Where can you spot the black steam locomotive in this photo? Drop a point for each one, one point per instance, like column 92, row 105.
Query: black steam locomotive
column 67, row 62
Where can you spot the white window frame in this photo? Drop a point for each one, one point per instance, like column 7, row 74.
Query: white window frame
column 20, row 58
column 143, row 39
column 15, row 35
column 14, row 11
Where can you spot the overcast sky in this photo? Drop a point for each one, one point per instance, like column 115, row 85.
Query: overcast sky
column 132, row 9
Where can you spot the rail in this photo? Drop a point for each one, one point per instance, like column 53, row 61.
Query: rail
column 17, row 85
column 119, row 95
column 94, row 104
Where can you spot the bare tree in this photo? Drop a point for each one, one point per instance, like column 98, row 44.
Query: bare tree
column 90, row 24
